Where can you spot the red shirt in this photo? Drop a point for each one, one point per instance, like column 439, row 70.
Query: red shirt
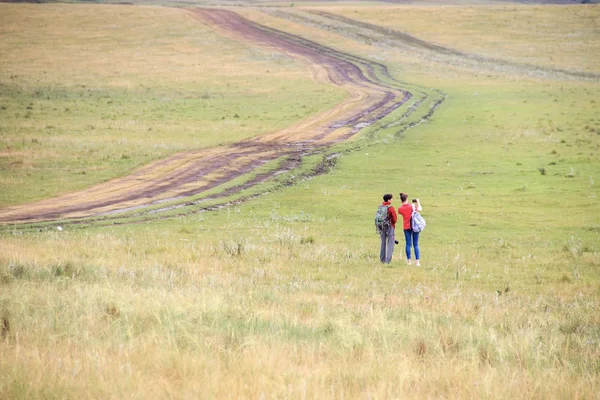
column 406, row 211
column 391, row 213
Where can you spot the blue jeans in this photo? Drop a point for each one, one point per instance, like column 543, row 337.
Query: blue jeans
column 412, row 238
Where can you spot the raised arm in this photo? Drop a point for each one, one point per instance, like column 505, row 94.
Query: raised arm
column 419, row 208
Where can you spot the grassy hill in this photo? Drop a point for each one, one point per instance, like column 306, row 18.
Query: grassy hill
column 283, row 295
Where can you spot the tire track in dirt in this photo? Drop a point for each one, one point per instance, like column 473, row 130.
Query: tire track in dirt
column 447, row 53
column 194, row 172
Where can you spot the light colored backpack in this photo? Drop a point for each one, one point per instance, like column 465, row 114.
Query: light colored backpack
column 417, row 222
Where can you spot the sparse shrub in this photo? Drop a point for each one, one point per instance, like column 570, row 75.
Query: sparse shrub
column 302, row 217
column 571, row 327
column 449, row 345
column 485, row 355
column 503, row 244
column 17, row 271
column 421, row 348
column 57, row 270
column 573, row 246
column 112, row 311
column 233, row 248
column 5, row 278
column 67, row 270
column 542, row 170
column 327, row 163
column 5, row 325
column 307, row 240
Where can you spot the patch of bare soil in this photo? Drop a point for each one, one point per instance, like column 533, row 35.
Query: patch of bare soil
column 193, row 172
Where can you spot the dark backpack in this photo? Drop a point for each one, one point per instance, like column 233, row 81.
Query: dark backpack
column 382, row 218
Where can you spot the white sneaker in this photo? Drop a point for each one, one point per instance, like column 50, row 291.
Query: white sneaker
column 418, row 264
column 409, row 261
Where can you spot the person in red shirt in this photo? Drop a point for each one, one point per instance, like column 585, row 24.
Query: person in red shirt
column 411, row 238
column 388, row 235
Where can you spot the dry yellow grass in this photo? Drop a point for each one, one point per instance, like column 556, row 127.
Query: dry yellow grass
column 123, row 46
column 158, row 313
column 553, row 36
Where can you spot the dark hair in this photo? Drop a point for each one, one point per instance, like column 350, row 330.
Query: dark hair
column 403, row 197
column 414, row 200
column 387, row 197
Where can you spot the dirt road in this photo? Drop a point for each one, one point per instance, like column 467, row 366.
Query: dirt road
column 194, row 172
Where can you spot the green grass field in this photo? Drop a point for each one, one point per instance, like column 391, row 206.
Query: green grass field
column 284, row 295
column 95, row 105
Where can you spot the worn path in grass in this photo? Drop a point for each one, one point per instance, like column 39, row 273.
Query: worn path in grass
column 193, row 172
column 368, row 32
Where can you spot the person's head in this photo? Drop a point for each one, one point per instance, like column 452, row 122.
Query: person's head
column 387, row 197
column 403, row 197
